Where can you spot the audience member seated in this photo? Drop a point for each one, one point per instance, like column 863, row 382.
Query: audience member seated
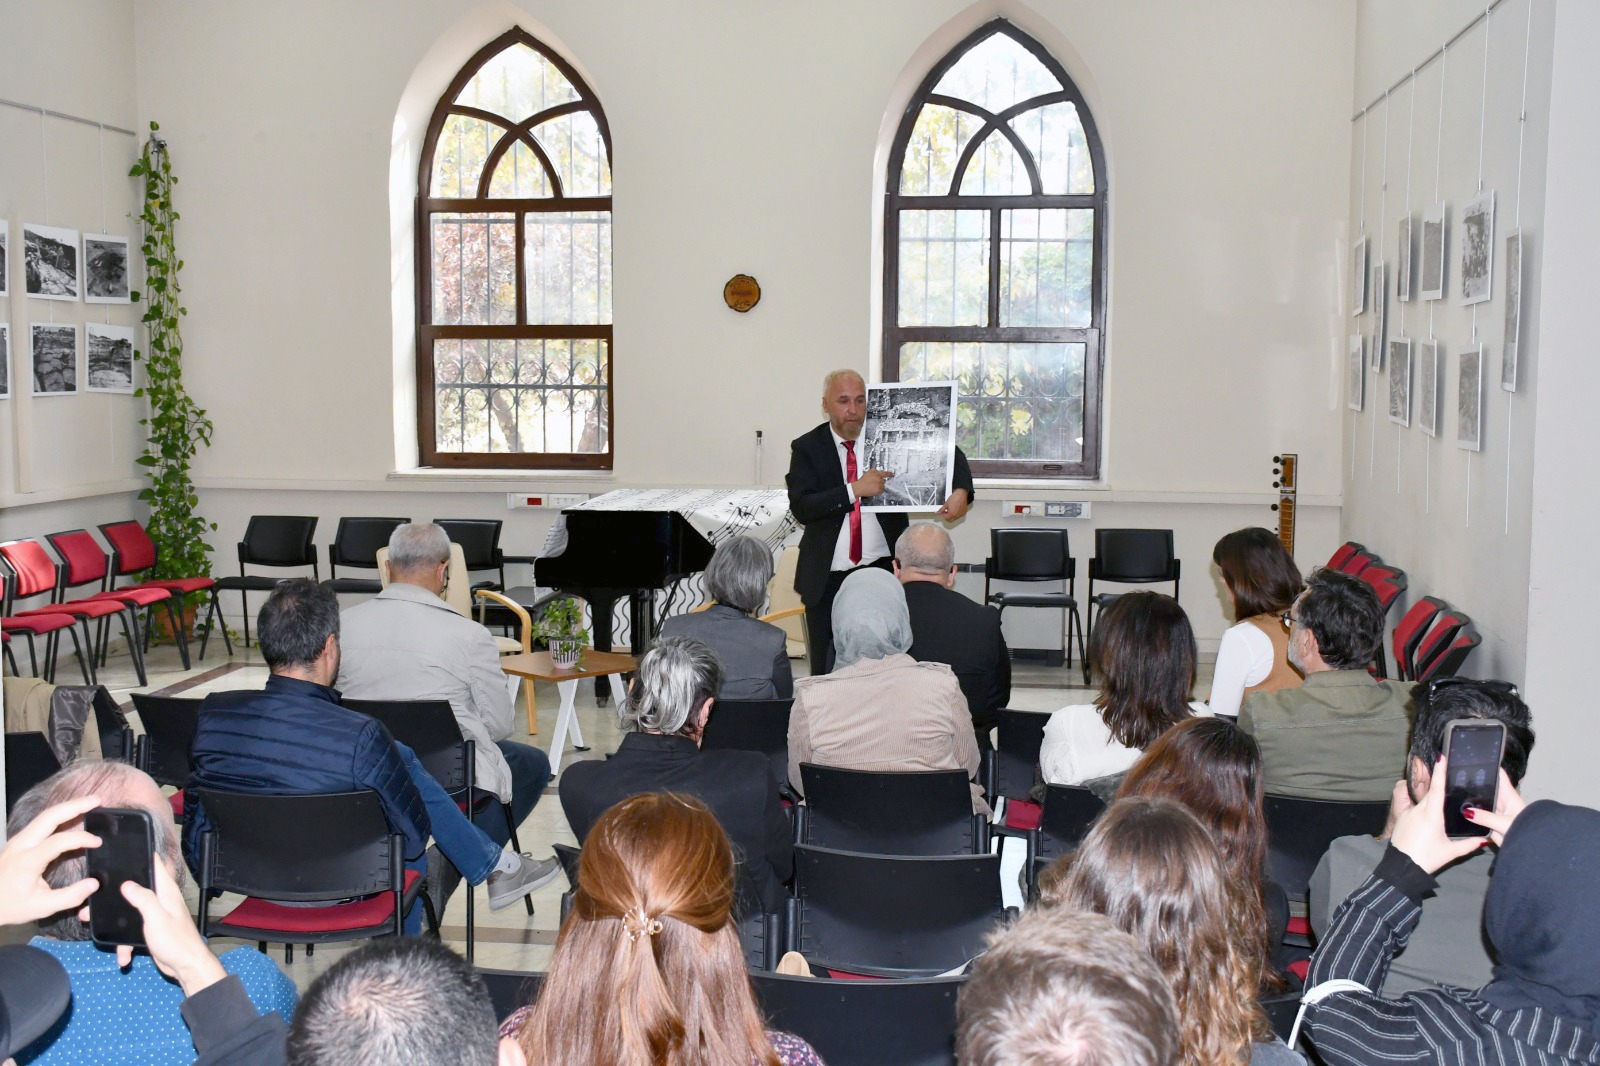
column 754, row 654
column 648, row 968
column 1542, row 927
column 293, row 737
column 409, row 644
column 1447, row 946
column 1151, row 867
column 1213, row 768
column 665, row 714
column 1342, row 734
column 120, row 999
column 948, row 628
column 1262, row 583
column 1074, row 992
column 1144, row 651
column 880, row 709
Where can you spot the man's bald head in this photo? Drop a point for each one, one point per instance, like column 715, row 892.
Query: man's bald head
column 844, row 401
column 925, row 552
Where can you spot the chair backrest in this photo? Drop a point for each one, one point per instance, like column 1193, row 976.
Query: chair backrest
column 132, row 550
column 1387, row 582
column 1409, row 630
column 1300, row 830
column 116, row 735
column 458, row 593
column 298, row 848
column 510, row 989
column 1030, row 555
column 919, row 813
column 429, row 728
column 29, row 761
column 911, row 1022
column 81, row 555
column 1448, row 662
column 169, row 726
column 781, row 596
column 751, row 725
column 279, row 540
column 893, row 915
column 356, row 541
column 33, row 569
column 1357, row 562
column 1019, row 735
column 1342, row 554
column 1134, row 556
column 1064, row 820
column 1436, row 639
column 479, row 539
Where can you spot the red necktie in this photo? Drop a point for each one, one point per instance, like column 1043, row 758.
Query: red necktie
column 850, row 474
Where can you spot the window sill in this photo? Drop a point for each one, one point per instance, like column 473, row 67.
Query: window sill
column 518, row 476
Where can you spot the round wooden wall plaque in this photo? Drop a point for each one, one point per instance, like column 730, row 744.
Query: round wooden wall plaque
column 742, row 292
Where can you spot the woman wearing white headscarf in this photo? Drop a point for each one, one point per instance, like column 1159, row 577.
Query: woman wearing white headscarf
column 880, row 709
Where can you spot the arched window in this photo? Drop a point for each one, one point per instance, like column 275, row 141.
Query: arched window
column 514, row 267
column 994, row 253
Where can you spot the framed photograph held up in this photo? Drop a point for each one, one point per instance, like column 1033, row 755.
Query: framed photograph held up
column 1433, row 251
column 1428, row 387
column 1477, row 249
column 1511, row 350
column 1400, row 381
column 1469, row 400
column 910, row 430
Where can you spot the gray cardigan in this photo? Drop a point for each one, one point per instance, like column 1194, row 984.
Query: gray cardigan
column 754, row 654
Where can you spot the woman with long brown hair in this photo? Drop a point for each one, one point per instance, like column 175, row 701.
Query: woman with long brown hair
column 1144, row 651
column 647, row 969
column 1262, row 582
column 1151, row 867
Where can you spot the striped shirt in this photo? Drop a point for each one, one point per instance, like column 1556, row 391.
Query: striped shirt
column 1448, row 1026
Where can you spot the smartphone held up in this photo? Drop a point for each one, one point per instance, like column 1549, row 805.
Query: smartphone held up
column 126, row 853
column 1473, row 748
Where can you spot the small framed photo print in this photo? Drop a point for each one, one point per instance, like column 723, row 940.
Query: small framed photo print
column 1356, row 371
column 105, row 269
column 5, row 360
column 1428, row 387
column 1511, row 350
column 50, row 262
column 5, row 258
column 1377, row 297
column 1433, row 250
column 1358, row 277
column 109, row 352
column 1400, row 381
column 55, row 359
column 1402, row 263
column 1477, row 249
column 1469, row 400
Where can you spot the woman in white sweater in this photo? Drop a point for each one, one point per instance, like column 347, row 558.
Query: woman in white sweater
column 1262, row 583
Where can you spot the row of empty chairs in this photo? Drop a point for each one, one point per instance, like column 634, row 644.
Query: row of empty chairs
column 1432, row 639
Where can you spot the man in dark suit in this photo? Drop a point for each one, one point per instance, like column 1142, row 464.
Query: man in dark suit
column 826, row 487
column 948, row 628
column 667, row 707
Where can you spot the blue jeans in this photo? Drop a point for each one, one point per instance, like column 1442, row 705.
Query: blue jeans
column 473, row 851
column 530, row 773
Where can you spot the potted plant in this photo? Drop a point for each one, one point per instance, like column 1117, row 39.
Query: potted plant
column 561, row 627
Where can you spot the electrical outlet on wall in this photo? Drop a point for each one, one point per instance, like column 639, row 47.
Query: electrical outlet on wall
column 1067, row 510
column 548, row 500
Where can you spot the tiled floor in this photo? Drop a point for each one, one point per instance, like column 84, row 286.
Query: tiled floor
column 506, row 939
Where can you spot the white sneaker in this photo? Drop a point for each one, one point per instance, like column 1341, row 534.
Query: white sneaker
column 506, row 887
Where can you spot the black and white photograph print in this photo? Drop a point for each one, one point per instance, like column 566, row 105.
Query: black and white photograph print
column 1469, row 400
column 1402, row 263
column 50, row 262
column 1511, row 350
column 55, row 359
column 1356, row 372
column 109, row 355
column 1477, row 249
column 1358, row 277
column 1378, row 298
column 105, row 269
column 5, row 259
column 1433, row 251
column 911, row 431
column 5, row 360
column 1400, row 381
column 1428, row 387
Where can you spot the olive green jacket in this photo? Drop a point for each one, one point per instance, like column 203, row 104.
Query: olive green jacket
column 1341, row 736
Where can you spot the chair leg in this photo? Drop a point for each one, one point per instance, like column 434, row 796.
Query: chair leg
column 244, row 603
column 91, row 675
column 288, row 953
column 516, row 845
column 11, row 658
column 130, row 629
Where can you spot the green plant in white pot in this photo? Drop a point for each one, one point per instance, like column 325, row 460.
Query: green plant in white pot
column 561, row 627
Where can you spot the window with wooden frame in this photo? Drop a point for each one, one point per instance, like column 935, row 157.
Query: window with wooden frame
column 994, row 255
column 514, row 267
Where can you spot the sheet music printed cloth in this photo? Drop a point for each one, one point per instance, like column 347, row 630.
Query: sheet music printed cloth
column 716, row 514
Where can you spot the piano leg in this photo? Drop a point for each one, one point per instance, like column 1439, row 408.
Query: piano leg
column 600, row 606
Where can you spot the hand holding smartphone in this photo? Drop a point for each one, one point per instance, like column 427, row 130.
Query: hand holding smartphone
column 126, row 853
column 1473, row 748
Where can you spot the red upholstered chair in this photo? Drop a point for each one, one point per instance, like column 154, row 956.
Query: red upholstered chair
column 84, row 563
column 34, row 573
column 133, row 553
column 1342, row 554
column 1357, row 562
column 1436, row 640
column 1408, row 633
column 1388, row 583
column 1448, row 662
column 49, row 626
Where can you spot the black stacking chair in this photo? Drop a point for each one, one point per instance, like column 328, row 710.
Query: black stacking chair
column 910, row 1022
column 917, row 813
column 1300, row 830
column 1129, row 557
column 355, row 546
column 163, row 752
column 29, row 760
column 1036, row 555
column 116, row 735
column 278, row 541
column 567, row 856
column 1015, row 761
column 752, row 725
column 510, row 989
column 1067, row 815
column 480, row 546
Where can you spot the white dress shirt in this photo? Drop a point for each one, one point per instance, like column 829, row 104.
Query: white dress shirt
column 873, row 544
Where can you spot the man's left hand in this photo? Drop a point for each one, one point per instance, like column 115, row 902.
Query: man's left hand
column 956, row 506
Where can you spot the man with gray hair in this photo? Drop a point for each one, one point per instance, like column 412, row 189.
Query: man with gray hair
column 665, row 713
column 948, row 628
column 754, row 654
column 409, row 644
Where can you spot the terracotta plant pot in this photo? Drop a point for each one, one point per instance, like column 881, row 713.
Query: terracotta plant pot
column 163, row 624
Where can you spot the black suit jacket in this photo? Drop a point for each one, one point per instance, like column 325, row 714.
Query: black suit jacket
column 738, row 786
column 820, row 503
column 948, row 628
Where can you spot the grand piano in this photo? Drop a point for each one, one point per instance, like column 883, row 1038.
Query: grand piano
column 636, row 542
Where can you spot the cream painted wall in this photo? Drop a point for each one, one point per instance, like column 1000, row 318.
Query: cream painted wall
column 1457, row 522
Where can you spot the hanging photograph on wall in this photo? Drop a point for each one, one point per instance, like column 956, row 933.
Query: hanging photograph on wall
column 105, row 269
column 5, row 258
column 5, row 360
column 50, row 262
column 1380, row 313
column 1511, row 350
column 1358, row 277
column 109, row 355
column 55, row 359
column 1433, row 251
column 1477, row 249
column 1402, row 263
column 1400, row 381
column 1428, row 387
column 1469, row 400
column 1356, row 371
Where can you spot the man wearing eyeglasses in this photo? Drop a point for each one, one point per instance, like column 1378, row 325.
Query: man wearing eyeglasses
column 1446, row 947
column 1341, row 735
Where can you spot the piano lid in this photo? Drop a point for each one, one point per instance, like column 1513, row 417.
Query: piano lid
column 715, row 514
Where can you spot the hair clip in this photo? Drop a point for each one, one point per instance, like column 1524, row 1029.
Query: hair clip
column 637, row 923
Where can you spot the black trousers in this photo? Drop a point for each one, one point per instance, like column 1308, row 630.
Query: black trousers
column 819, row 616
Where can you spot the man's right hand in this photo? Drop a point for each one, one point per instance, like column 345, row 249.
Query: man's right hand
column 871, row 483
